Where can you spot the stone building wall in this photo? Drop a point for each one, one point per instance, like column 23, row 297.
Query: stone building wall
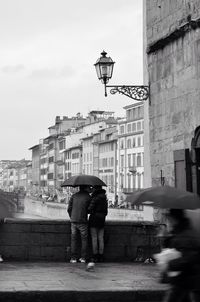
column 173, row 53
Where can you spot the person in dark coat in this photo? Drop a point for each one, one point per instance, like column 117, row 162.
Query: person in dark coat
column 78, row 213
column 98, row 209
column 182, row 273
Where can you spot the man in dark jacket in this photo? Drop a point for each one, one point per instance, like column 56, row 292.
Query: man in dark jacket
column 78, row 213
column 98, row 210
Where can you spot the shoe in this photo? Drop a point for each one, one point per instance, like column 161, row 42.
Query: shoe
column 90, row 266
column 82, row 260
column 1, row 259
column 73, row 260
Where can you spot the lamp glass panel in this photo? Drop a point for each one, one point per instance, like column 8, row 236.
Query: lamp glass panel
column 104, row 71
column 98, row 71
column 110, row 70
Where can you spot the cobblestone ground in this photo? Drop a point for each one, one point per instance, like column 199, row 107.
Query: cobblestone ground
column 108, row 279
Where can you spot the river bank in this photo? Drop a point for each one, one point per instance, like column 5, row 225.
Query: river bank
column 54, row 210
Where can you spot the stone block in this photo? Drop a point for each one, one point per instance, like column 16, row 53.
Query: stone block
column 13, row 252
column 34, row 252
column 14, row 238
column 52, row 239
column 53, row 253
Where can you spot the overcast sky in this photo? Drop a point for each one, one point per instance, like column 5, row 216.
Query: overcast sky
column 47, row 52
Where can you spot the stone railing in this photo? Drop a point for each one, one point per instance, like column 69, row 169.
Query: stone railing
column 27, row 239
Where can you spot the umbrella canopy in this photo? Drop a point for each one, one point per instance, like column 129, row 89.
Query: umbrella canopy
column 83, row 180
column 165, row 197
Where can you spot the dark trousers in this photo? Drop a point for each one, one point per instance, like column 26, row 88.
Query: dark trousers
column 179, row 294
column 77, row 228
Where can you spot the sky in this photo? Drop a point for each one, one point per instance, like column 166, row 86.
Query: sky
column 47, row 53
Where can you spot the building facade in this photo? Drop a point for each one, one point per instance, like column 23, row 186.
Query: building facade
column 16, row 175
column 131, row 150
column 173, row 58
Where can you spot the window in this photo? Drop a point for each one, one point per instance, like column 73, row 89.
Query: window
column 129, row 143
column 43, row 171
column 122, row 129
column 133, row 127
column 43, row 161
column 50, row 176
column 134, row 142
column 129, row 160
column 43, row 183
column 139, row 141
column 51, row 159
column 51, row 146
column 122, row 160
column 128, row 127
column 134, row 159
column 61, row 145
column 75, row 155
column 140, row 111
column 139, row 181
column 129, row 181
column 139, row 126
column 135, row 113
column 129, row 114
column 133, row 180
column 142, row 125
column 122, row 144
column 139, row 160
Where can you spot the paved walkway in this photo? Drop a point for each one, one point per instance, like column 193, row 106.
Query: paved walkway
column 58, row 281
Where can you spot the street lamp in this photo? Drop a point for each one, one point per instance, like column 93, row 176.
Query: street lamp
column 104, row 68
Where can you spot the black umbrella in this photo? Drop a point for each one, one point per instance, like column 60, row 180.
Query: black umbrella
column 83, row 180
column 165, row 197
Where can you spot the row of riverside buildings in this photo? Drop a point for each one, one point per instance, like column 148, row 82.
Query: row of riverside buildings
column 100, row 144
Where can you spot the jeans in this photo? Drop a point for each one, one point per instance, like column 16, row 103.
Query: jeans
column 97, row 236
column 81, row 228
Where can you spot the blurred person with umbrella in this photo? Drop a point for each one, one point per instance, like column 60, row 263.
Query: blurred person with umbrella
column 182, row 266
column 165, row 197
column 180, row 256
column 78, row 213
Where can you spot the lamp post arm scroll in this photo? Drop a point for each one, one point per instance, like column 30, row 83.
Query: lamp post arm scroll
column 104, row 68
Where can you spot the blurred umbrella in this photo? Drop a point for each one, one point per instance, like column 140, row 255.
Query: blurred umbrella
column 165, row 197
column 83, row 179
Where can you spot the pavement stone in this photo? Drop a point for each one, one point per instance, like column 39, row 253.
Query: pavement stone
column 60, row 281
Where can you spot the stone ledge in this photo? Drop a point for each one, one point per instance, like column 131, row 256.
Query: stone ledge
column 86, row 296
column 31, row 239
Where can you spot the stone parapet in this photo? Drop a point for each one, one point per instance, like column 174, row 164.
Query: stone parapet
column 49, row 240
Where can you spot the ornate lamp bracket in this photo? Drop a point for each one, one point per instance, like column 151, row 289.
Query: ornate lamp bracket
column 138, row 93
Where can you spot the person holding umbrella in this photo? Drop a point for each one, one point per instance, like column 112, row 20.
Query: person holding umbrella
column 182, row 268
column 78, row 213
column 180, row 258
column 98, row 209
